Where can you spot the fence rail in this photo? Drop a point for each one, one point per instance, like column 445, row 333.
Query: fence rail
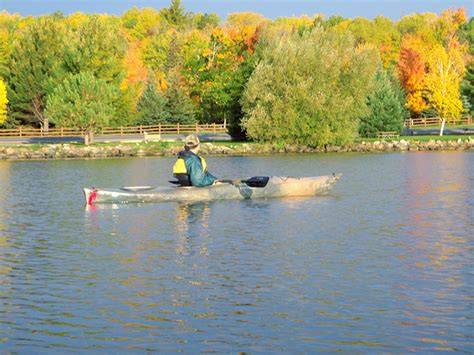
column 26, row 132
column 436, row 121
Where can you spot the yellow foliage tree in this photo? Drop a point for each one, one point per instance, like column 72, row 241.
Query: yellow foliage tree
column 241, row 19
column 446, row 67
column 3, row 102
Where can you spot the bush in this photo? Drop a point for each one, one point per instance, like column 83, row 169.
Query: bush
column 309, row 89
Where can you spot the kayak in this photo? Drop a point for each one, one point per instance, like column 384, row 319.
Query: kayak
column 275, row 186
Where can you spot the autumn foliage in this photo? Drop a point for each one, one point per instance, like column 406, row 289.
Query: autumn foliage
column 3, row 102
column 411, row 71
column 167, row 62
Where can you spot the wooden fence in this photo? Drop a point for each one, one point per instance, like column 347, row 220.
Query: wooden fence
column 26, row 132
column 435, row 121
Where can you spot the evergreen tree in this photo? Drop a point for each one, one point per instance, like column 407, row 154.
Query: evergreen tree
column 82, row 101
column 386, row 107
column 35, row 69
column 179, row 107
column 175, row 14
column 467, row 85
column 151, row 106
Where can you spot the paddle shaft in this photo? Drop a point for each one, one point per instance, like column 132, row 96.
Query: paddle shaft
column 256, row 181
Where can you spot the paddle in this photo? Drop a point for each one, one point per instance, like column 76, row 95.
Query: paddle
column 256, row 181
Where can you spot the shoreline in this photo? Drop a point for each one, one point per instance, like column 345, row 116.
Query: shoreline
column 167, row 149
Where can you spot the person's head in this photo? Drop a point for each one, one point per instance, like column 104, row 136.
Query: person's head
column 192, row 143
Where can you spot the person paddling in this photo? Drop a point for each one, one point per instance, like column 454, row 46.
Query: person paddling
column 191, row 169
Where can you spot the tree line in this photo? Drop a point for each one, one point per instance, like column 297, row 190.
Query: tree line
column 306, row 80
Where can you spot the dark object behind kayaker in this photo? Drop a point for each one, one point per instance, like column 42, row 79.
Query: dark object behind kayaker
column 191, row 169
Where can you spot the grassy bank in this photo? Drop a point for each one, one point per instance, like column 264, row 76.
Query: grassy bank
column 164, row 145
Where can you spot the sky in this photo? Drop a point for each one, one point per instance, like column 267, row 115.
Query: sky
column 394, row 9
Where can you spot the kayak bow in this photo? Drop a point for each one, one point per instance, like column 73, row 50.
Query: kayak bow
column 277, row 186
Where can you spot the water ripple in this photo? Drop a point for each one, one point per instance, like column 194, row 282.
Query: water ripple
column 382, row 264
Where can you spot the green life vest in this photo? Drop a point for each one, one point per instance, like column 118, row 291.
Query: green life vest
column 181, row 172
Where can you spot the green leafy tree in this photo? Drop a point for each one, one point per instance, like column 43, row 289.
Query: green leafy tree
column 125, row 107
column 82, row 101
column 309, row 89
column 35, row 68
column 386, row 105
column 97, row 47
column 141, row 24
column 156, row 54
column 236, row 89
column 205, row 21
column 216, row 71
column 380, row 32
column 333, row 21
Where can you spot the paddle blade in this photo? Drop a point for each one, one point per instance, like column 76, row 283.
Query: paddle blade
column 257, row 181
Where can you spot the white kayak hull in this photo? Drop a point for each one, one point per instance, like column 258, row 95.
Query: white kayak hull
column 277, row 186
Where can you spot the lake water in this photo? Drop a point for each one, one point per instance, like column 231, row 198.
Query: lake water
column 384, row 263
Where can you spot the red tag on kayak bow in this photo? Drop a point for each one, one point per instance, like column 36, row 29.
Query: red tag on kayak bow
column 92, row 197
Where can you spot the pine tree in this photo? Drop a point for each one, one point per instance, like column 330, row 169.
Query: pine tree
column 82, row 101
column 175, row 14
column 151, row 106
column 386, row 107
column 179, row 107
column 35, row 68
column 467, row 85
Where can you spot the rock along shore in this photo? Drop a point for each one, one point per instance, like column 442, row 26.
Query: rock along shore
column 64, row 151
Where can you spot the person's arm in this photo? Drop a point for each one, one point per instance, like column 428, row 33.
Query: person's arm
column 199, row 178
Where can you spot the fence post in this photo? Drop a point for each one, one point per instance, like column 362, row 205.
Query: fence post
column 20, row 131
column 178, row 128
column 41, row 131
column 141, row 131
column 159, row 129
column 214, row 127
column 121, row 130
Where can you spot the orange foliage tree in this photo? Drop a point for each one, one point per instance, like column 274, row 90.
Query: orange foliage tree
column 411, row 72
